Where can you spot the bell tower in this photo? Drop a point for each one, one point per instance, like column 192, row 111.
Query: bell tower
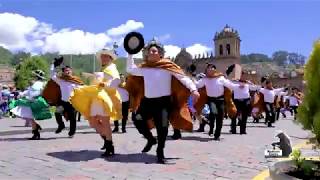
column 227, row 43
column 227, row 50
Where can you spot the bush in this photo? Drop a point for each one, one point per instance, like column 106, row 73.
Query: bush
column 23, row 74
column 309, row 111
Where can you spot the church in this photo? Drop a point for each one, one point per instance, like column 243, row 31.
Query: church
column 226, row 52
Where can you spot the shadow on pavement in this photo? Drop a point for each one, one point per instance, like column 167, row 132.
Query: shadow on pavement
column 26, row 139
column 192, row 138
column 87, row 155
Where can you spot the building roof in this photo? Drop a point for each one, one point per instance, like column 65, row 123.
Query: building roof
column 227, row 32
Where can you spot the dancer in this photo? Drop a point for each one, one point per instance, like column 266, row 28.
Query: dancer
column 294, row 101
column 31, row 106
column 160, row 89
column 125, row 106
column 241, row 92
column 67, row 82
column 269, row 94
column 215, row 91
column 101, row 102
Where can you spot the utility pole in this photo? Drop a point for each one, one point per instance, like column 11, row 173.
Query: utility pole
column 71, row 60
column 94, row 63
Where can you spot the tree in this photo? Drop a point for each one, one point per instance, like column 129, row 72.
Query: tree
column 5, row 56
column 280, row 57
column 254, row 57
column 23, row 74
column 309, row 111
column 19, row 57
column 296, row 59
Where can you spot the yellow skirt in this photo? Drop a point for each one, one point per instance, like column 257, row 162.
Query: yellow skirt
column 84, row 97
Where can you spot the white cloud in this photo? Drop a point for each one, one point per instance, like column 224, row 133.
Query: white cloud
column 14, row 29
column 18, row 32
column 130, row 25
column 75, row 41
column 171, row 50
column 196, row 49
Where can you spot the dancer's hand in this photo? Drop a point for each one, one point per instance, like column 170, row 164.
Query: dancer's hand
column 101, row 84
column 195, row 96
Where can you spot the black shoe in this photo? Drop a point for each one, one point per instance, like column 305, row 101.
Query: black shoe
column 60, row 128
column 109, row 149
column 201, row 127
column 216, row 138
column 116, row 129
column 160, row 156
column 233, row 131
column 36, row 135
column 105, row 143
column 71, row 133
column 123, row 130
column 176, row 135
column 269, row 124
column 210, row 132
column 149, row 145
column 243, row 132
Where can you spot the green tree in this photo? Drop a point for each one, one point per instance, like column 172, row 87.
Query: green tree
column 254, row 57
column 23, row 74
column 5, row 56
column 309, row 111
column 280, row 57
column 19, row 57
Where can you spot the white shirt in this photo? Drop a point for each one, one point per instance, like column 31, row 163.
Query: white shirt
column 242, row 92
column 65, row 86
column 34, row 90
column 214, row 86
column 293, row 101
column 123, row 94
column 157, row 82
column 270, row 94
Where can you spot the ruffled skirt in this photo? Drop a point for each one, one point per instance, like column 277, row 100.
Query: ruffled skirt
column 93, row 100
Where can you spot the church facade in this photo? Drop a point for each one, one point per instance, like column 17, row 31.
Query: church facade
column 226, row 52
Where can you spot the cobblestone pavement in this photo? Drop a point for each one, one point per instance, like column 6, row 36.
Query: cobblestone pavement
column 195, row 156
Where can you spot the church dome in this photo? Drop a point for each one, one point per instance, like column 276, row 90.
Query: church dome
column 227, row 32
column 183, row 54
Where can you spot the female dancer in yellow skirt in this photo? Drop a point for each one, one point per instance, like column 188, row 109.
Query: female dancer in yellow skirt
column 100, row 103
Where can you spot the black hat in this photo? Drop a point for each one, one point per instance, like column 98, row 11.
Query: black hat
column 58, row 61
column 133, row 42
column 230, row 69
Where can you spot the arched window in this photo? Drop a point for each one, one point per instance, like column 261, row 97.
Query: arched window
column 228, row 49
column 221, row 49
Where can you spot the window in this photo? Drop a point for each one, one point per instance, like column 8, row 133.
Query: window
column 228, row 49
column 221, row 49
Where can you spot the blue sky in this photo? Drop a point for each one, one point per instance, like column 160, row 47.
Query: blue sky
column 264, row 26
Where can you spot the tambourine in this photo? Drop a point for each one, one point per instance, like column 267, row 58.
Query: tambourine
column 133, row 42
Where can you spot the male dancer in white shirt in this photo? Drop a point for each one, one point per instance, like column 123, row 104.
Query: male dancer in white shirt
column 67, row 83
column 159, row 76
column 269, row 94
column 215, row 84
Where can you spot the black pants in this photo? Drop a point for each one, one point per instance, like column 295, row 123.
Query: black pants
column 159, row 110
column 278, row 113
column 71, row 115
column 243, row 106
column 294, row 109
column 216, row 106
column 270, row 113
column 125, row 111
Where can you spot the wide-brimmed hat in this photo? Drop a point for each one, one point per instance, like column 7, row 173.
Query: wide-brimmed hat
column 111, row 53
column 133, row 42
column 39, row 73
